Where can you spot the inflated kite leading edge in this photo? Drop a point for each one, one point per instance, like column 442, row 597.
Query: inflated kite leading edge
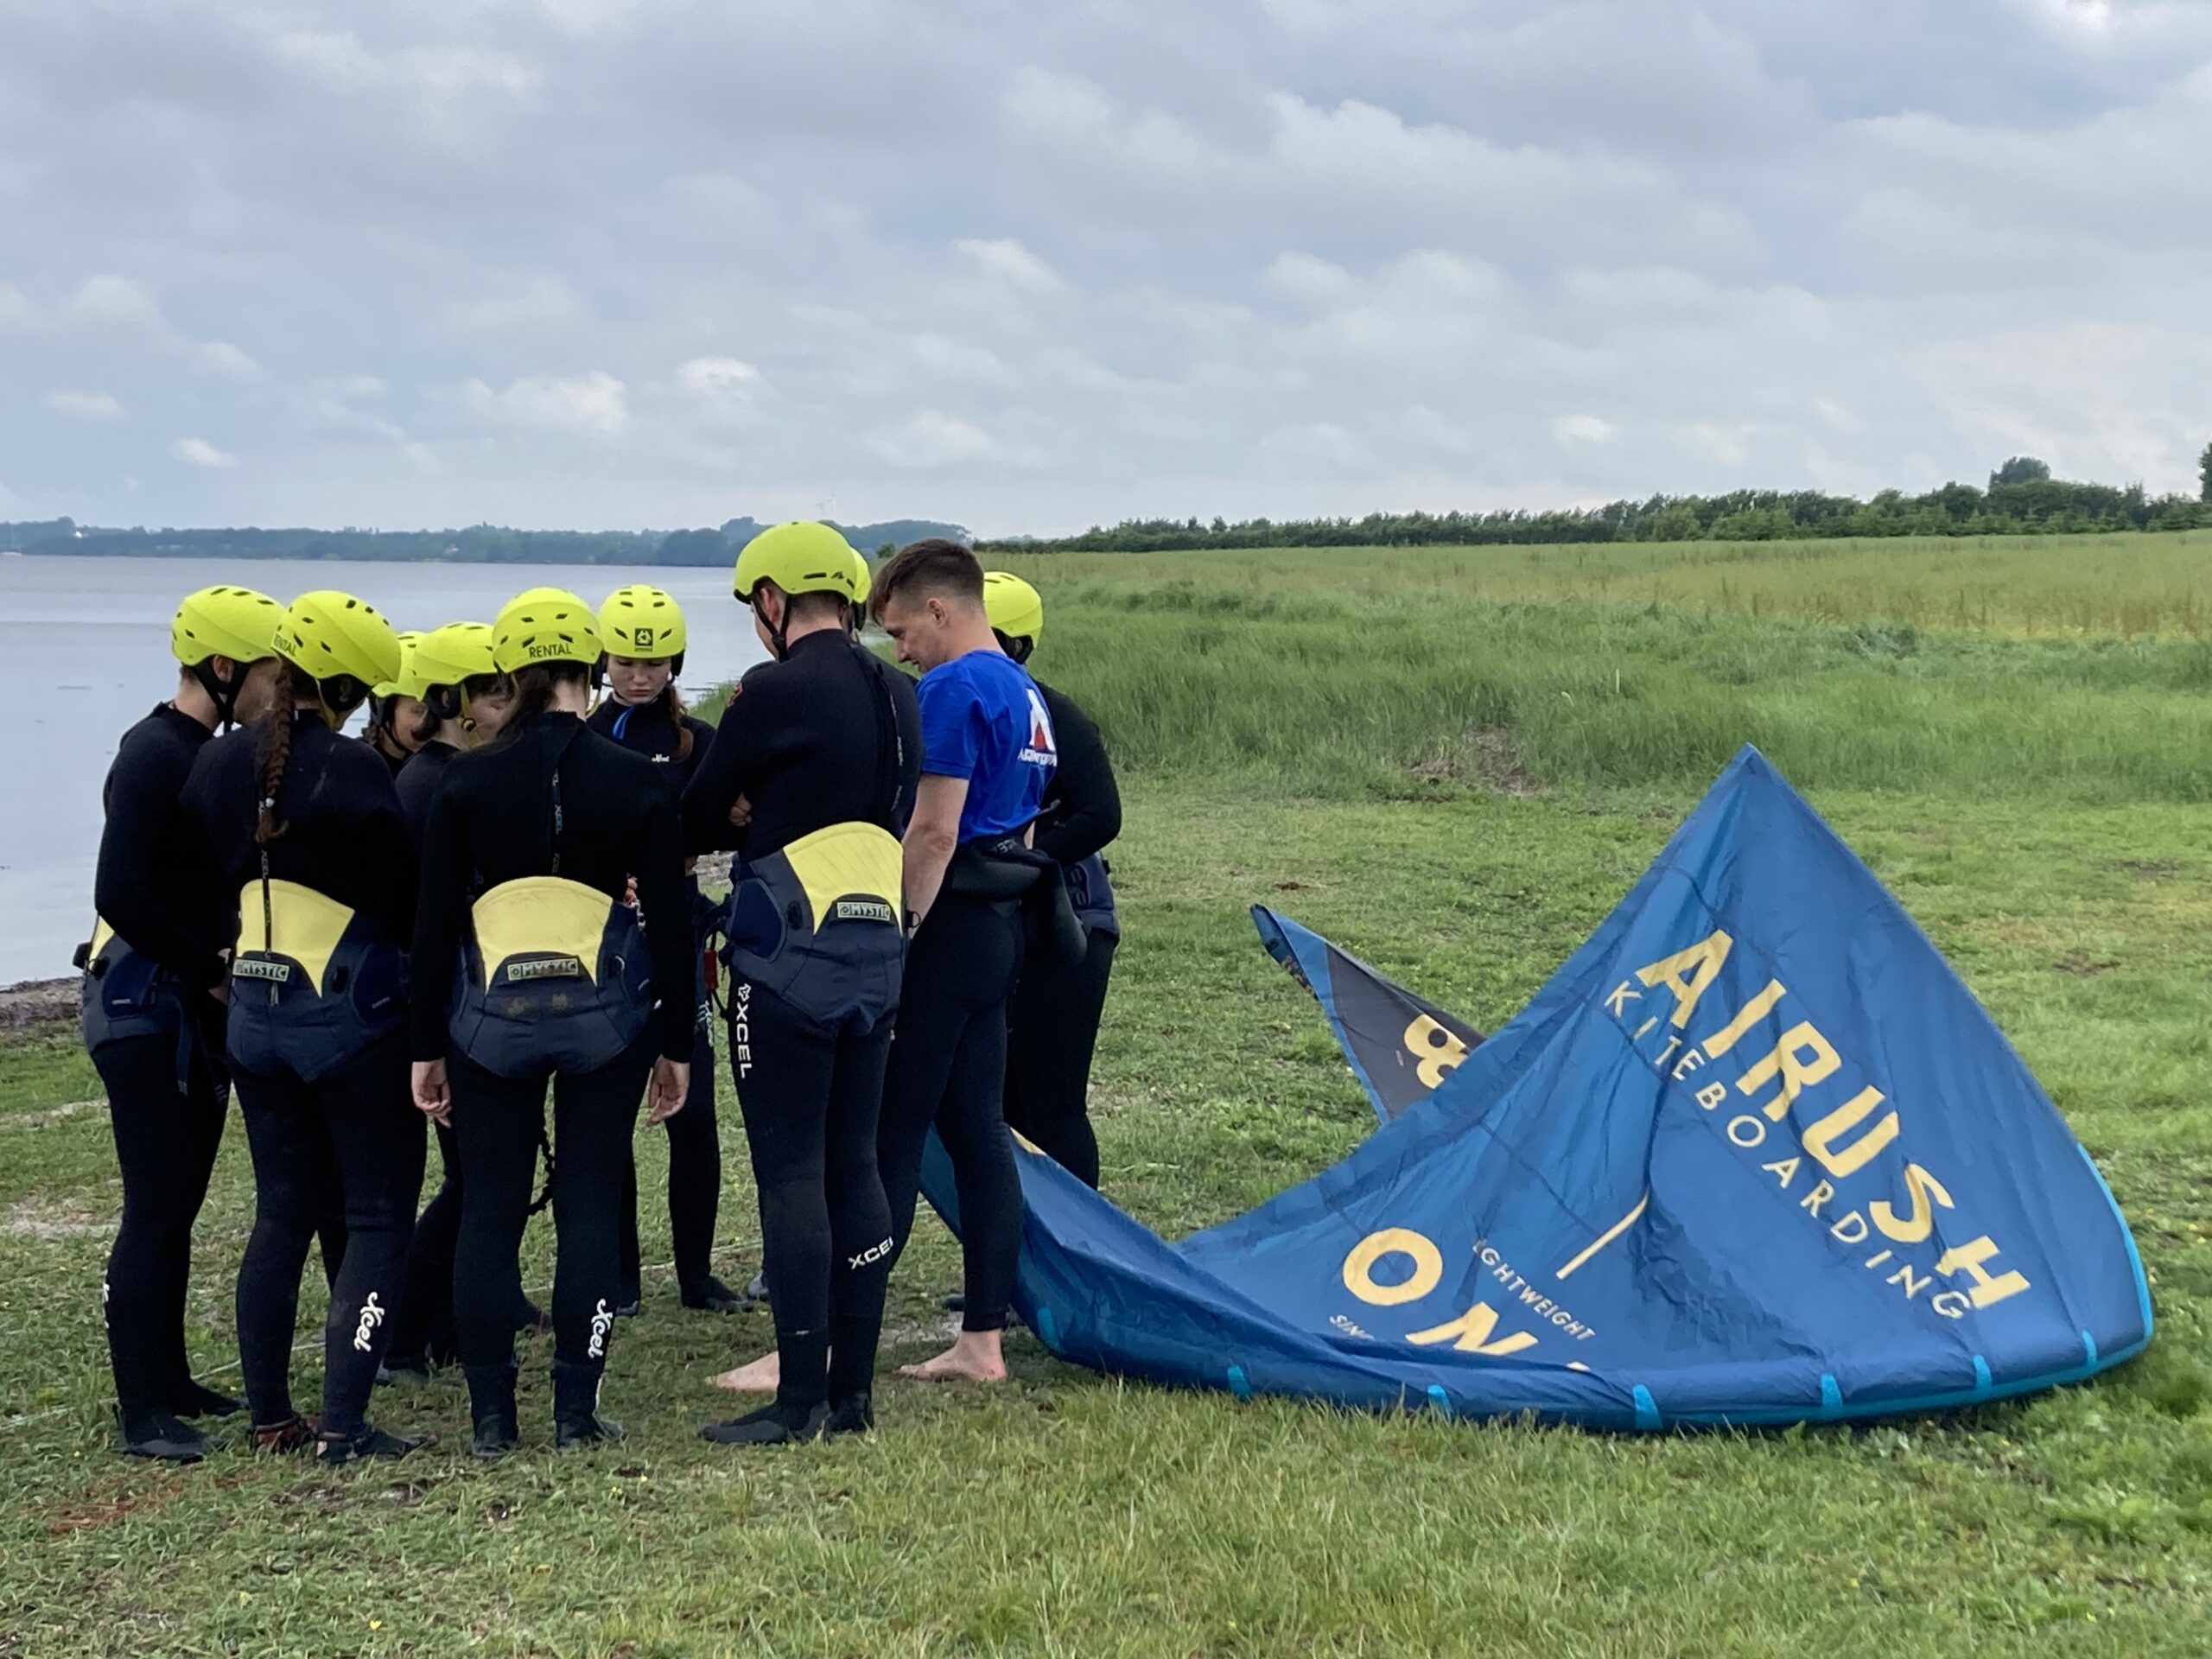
column 1754, row 1155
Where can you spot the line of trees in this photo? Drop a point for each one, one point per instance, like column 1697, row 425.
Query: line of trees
column 478, row 545
column 2022, row 499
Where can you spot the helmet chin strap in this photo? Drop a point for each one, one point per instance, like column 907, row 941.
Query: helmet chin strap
column 224, row 696
column 776, row 641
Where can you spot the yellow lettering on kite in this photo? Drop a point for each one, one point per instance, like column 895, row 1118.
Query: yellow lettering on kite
column 1747, row 1016
column 1688, row 973
column 1437, row 1049
column 1968, row 1258
column 1924, row 1192
column 1359, row 1266
column 1800, row 1059
column 1470, row 1334
column 1821, row 1137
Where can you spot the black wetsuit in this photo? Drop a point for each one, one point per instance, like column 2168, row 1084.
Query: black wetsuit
column 695, row 1153
column 354, row 1136
column 1052, row 1026
column 493, row 822
column 168, row 1091
column 803, row 741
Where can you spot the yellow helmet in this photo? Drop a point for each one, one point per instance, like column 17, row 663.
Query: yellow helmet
column 327, row 634
column 863, row 578
column 543, row 625
column 799, row 557
column 644, row 623
column 233, row 622
column 397, row 685
column 452, row 654
column 1016, row 608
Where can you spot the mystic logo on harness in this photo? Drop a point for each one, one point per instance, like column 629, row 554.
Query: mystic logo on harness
column 862, row 910
column 543, row 968
column 261, row 968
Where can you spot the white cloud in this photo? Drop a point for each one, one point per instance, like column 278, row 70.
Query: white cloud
column 85, row 405
column 199, row 451
column 1292, row 257
column 116, row 301
column 718, row 378
column 596, row 403
column 1013, row 264
column 931, row 438
column 220, row 356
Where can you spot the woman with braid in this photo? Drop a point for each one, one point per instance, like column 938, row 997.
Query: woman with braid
column 304, row 829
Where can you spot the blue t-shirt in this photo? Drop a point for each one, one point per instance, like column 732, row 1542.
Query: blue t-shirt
column 983, row 720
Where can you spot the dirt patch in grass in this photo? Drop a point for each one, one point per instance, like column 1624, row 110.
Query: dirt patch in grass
column 59, row 1216
column 2082, row 964
column 1484, row 759
column 51, row 1115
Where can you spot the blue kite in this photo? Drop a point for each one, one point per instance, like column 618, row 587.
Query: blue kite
column 1753, row 1155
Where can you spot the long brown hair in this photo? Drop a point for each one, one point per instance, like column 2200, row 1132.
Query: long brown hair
column 272, row 742
column 673, row 700
column 534, row 683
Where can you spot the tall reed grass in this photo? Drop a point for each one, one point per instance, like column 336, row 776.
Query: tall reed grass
column 1392, row 672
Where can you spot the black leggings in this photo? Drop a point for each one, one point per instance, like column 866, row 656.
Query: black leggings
column 354, row 1140
column 1050, row 1038
column 499, row 1121
column 811, row 1101
column 695, row 1178
column 166, row 1135
column 948, row 1068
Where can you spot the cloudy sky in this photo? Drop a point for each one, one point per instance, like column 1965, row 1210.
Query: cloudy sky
column 596, row 263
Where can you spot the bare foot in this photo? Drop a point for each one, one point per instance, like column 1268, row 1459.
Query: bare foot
column 761, row 1376
column 973, row 1358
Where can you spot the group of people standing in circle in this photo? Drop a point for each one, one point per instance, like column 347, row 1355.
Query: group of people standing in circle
column 494, row 899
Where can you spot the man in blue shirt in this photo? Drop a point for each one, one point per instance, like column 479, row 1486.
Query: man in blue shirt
column 987, row 753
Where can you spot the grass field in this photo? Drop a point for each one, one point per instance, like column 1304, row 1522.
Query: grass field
column 1454, row 769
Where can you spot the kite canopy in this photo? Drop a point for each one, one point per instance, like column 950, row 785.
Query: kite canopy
column 1754, row 1155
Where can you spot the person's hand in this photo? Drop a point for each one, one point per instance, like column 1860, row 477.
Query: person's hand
column 432, row 1097
column 671, row 1082
column 741, row 813
column 630, row 890
column 221, row 990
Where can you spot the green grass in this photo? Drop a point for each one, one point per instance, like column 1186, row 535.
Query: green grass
column 1069, row 1514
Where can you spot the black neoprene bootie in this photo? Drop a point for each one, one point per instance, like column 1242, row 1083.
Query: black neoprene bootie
column 576, row 1421
column 710, row 1295
column 164, row 1435
column 854, row 1414
column 497, row 1428
column 800, row 1407
column 366, row 1442
column 774, row 1424
column 193, row 1399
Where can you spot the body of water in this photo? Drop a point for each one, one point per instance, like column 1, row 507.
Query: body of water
column 85, row 653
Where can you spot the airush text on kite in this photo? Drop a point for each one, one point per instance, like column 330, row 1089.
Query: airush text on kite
column 1800, row 1059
